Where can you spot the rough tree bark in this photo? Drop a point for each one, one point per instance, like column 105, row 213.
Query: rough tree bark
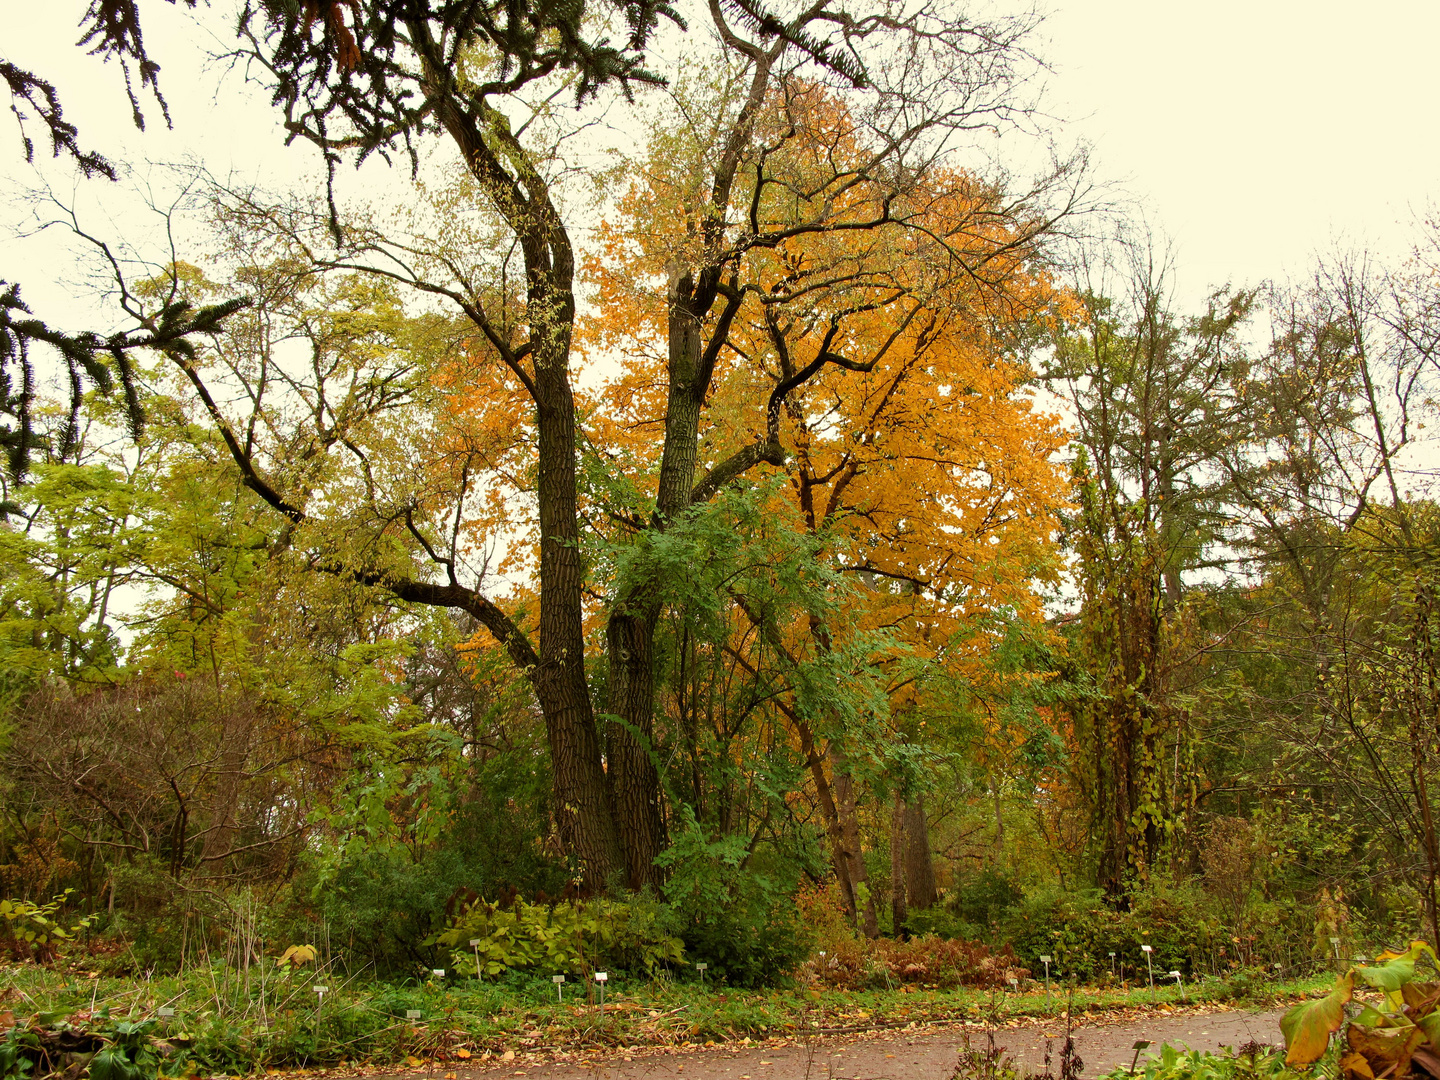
column 899, row 909
column 919, row 859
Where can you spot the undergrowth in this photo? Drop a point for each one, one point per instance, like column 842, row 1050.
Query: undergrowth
column 1252, row 1062
column 224, row 1022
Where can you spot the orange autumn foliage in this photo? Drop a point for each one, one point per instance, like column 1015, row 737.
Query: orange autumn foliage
column 933, row 468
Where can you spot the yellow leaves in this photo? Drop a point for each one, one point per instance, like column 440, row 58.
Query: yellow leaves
column 296, row 955
column 1354, row 1065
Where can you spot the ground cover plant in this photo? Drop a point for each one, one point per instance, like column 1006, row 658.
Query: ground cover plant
column 222, row 1023
column 1245, row 1063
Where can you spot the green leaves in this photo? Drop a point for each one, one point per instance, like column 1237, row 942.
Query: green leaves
column 16, row 1049
column 1379, row 1043
column 1397, row 971
column 564, row 937
column 130, row 1054
column 37, row 925
column 1308, row 1027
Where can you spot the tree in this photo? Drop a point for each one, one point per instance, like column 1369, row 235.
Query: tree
column 112, row 30
column 908, row 466
column 1340, row 520
column 1159, row 405
column 397, row 72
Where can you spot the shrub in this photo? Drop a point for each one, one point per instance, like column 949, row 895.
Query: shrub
column 1080, row 932
column 822, row 912
column 986, row 898
column 942, row 923
column 736, row 910
column 577, row 937
column 37, row 929
column 385, row 898
column 929, row 961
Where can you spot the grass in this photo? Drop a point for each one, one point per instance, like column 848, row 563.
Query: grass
column 231, row 1022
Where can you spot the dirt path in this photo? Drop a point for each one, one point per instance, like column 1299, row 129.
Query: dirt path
column 928, row 1053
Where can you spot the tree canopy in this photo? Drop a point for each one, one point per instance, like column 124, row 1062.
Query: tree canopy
column 715, row 484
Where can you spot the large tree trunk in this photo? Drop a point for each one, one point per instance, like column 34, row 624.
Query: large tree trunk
column 630, row 633
column 582, row 803
column 515, row 187
column 851, row 854
column 919, row 861
column 899, row 910
column 634, row 780
column 689, row 300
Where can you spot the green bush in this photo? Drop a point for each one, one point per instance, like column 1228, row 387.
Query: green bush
column 383, row 909
column 1260, row 1063
column 736, row 909
column 1178, row 920
column 383, row 899
column 942, row 923
column 986, row 898
column 568, row 937
column 1079, row 931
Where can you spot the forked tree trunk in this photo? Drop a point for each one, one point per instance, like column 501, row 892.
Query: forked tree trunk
column 630, row 739
column 630, row 632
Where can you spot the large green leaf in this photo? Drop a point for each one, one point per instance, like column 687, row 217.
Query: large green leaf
column 111, row 1063
column 1431, row 1026
column 1390, row 976
column 1397, row 970
column 1308, row 1027
column 1372, row 1017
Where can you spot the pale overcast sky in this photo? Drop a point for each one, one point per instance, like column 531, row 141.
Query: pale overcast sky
column 1252, row 133
column 1257, row 132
